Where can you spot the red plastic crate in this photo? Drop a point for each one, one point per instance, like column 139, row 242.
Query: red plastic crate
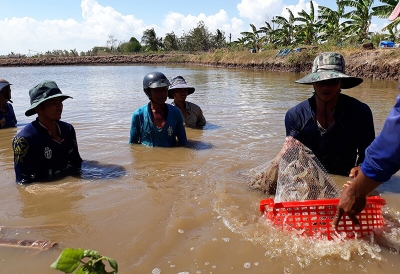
column 314, row 217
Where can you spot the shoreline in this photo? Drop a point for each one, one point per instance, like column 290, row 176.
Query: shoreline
column 376, row 64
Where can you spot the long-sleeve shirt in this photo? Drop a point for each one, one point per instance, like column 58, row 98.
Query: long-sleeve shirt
column 382, row 157
column 342, row 146
column 145, row 132
column 7, row 119
column 37, row 156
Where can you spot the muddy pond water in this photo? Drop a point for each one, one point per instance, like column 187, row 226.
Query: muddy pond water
column 176, row 210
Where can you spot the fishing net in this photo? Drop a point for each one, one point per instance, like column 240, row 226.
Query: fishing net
column 295, row 174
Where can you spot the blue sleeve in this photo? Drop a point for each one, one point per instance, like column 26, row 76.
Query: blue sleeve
column 135, row 129
column 290, row 125
column 382, row 157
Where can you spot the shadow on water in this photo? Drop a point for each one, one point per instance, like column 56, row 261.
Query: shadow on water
column 210, row 126
column 198, row 145
column 94, row 170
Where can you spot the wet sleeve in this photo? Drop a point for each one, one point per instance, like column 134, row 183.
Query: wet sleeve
column 201, row 120
column 23, row 160
column 382, row 157
column 75, row 159
column 290, row 125
column 135, row 129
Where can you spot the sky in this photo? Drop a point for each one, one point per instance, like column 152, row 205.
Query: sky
column 30, row 27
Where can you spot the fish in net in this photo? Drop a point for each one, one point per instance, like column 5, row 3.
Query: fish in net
column 295, row 174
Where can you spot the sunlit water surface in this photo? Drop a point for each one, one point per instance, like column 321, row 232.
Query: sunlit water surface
column 177, row 210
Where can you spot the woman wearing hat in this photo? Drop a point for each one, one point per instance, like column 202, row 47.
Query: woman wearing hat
column 336, row 127
column 7, row 115
column 45, row 149
column 191, row 113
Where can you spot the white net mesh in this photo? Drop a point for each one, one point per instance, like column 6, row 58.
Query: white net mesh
column 295, row 174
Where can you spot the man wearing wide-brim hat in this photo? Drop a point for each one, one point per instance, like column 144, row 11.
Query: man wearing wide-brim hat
column 335, row 126
column 45, row 149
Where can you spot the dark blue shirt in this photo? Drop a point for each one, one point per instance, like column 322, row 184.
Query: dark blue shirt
column 37, row 156
column 7, row 119
column 343, row 145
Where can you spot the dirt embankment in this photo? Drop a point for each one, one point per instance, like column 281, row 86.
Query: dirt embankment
column 376, row 64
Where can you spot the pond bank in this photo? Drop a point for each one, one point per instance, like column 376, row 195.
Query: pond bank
column 376, row 63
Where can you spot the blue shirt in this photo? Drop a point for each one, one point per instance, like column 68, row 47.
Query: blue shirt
column 145, row 132
column 8, row 119
column 382, row 157
column 37, row 156
column 343, row 145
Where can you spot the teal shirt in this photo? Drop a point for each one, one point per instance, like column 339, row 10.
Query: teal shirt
column 143, row 131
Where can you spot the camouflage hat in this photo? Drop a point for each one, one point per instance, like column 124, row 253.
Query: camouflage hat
column 330, row 65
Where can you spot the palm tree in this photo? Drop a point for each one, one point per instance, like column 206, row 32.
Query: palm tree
column 253, row 38
column 170, row 42
column 150, row 39
column 384, row 11
column 284, row 34
column 330, row 26
column 307, row 33
column 269, row 33
column 360, row 18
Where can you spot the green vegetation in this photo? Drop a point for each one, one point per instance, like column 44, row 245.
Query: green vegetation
column 344, row 27
column 71, row 259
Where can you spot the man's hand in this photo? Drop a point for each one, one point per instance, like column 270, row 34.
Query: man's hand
column 353, row 198
column 354, row 172
column 350, row 203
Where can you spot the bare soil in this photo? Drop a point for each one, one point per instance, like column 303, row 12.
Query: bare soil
column 375, row 63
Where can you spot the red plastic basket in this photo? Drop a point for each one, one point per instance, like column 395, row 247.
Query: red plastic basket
column 314, row 217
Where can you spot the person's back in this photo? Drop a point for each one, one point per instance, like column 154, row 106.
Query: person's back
column 45, row 149
column 7, row 115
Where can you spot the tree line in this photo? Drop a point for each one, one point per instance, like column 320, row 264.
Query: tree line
column 348, row 24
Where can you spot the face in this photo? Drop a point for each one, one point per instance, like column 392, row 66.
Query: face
column 180, row 94
column 6, row 91
column 51, row 109
column 159, row 95
column 326, row 90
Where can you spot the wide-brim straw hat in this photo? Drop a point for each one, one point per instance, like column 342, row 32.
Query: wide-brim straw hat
column 330, row 65
column 178, row 82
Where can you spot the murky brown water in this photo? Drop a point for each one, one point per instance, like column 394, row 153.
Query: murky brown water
column 176, row 210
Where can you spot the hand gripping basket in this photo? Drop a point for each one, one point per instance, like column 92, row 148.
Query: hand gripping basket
column 314, row 217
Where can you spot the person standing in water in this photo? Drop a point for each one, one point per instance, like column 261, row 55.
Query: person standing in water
column 157, row 124
column 336, row 127
column 7, row 115
column 46, row 149
column 191, row 113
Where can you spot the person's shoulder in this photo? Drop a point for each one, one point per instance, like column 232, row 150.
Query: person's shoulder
column 63, row 124
column 355, row 103
column 27, row 131
column 140, row 110
column 300, row 107
column 193, row 106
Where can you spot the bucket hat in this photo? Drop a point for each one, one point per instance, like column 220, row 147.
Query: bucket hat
column 41, row 92
column 177, row 83
column 330, row 65
column 4, row 83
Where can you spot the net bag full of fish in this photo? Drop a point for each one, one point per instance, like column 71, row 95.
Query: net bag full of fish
column 295, row 174
column 306, row 197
